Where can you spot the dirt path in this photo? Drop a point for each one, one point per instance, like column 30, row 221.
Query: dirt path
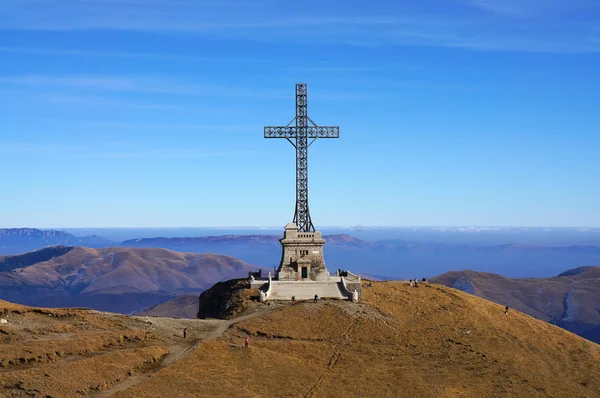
column 200, row 330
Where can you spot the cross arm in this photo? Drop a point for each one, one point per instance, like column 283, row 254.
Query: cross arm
column 311, row 132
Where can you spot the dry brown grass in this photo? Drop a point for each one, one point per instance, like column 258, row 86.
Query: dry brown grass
column 430, row 341
column 80, row 377
column 75, row 352
column 65, row 345
column 69, row 352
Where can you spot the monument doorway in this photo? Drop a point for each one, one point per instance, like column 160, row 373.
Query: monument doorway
column 304, row 272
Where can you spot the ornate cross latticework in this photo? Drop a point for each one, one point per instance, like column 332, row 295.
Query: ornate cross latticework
column 301, row 133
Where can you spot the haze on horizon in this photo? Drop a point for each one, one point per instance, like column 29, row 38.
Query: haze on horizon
column 357, row 227
column 148, row 114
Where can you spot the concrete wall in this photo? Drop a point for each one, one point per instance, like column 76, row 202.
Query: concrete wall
column 355, row 286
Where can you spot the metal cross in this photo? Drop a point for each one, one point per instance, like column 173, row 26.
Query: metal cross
column 302, row 132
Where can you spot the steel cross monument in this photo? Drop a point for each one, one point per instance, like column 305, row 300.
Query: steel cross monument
column 301, row 133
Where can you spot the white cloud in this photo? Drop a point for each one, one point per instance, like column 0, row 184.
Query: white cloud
column 124, row 54
column 118, row 150
column 336, row 69
column 161, row 126
column 37, row 148
column 558, row 26
column 173, row 153
column 533, row 8
column 110, row 102
column 157, row 85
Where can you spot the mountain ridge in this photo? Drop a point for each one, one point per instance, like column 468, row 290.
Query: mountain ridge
column 21, row 240
column 393, row 257
column 570, row 299
column 67, row 275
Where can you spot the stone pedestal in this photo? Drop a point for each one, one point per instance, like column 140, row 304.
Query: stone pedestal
column 302, row 256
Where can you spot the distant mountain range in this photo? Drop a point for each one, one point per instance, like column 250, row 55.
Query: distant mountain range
column 111, row 279
column 20, row 240
column 570, row 300
column 132, row 279
column 394, row 258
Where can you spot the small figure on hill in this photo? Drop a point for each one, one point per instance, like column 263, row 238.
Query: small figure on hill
column 184, row 333
column 410, row 283
column 416, row 283
column 247, row 342
column 293, row 300
column 506, row 310
column 370, row 284
column 316, row 298
column 424, row 280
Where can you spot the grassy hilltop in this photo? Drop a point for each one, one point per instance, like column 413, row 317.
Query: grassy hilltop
column 429, row 341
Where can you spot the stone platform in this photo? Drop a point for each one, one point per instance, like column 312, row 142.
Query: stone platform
column 335, row 287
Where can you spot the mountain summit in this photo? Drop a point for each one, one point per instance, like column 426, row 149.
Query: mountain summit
column 430, row 341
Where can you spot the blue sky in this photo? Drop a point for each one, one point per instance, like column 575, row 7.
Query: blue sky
column 149, row 113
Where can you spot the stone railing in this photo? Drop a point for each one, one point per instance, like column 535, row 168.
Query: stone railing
column 348, row 275
column 352, row 277
column 351, row 294
column 264, row 295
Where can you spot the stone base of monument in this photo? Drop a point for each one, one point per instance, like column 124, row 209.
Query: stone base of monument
column 302, row 272
column 301, row 256
column 334, row 287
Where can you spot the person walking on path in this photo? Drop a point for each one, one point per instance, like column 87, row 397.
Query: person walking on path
column 247, row 342
column 316, row 298
column 506, row 310
column 184, row 333
column 293, row 300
